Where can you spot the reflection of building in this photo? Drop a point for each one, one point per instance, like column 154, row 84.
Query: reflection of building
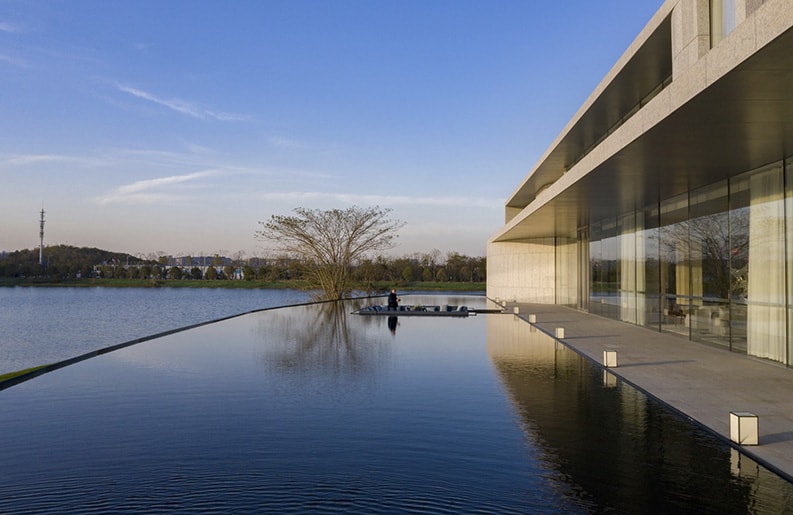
column 608, row 442
column 667, row 201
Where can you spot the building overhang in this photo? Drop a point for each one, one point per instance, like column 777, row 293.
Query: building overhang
column 738, row 121
column 642, row 70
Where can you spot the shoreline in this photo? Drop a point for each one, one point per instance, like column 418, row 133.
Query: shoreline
column 377, row 287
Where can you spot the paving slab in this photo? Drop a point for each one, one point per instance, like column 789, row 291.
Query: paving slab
column 702, row 382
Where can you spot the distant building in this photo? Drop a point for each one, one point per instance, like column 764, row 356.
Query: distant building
column 667, row 201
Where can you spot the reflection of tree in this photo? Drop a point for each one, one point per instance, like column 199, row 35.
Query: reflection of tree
column 717, row 244
column 739, row 224
column 319, row 337
column 710, row 248
column 675, row 268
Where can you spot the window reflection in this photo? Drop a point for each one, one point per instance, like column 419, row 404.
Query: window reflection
column 675, row 278
column 605, row 286
column 789, row 268
column 714, row 265
column 739, row 262
column 649, row 268
column 626, row 242
column 709, row 233
column 766, row 285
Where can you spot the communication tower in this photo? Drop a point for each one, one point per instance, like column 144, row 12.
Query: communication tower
column 41, row 235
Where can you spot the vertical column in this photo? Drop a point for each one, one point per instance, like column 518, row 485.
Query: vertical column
column 690, row 34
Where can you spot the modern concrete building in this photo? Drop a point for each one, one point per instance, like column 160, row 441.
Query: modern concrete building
column 667, row 201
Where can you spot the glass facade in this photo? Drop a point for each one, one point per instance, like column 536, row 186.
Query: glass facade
column 714, row 265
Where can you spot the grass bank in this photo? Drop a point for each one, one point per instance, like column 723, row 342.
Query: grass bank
column 13, row 375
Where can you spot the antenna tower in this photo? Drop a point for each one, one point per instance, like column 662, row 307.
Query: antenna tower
column 41, row 235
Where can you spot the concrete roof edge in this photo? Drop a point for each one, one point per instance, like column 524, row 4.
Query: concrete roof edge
column 655, row 21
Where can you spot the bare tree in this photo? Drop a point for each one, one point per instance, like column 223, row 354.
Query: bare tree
column 331, row 242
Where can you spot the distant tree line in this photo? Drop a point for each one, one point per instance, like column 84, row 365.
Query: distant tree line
column 60, row 261
column 68, row 262
column 422, row 267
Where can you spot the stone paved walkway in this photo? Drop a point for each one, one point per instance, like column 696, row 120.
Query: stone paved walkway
column 702, row 382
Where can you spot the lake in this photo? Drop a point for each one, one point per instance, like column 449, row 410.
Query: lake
column 314, row 409
column 43, row 325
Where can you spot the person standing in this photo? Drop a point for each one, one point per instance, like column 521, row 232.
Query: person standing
column 393, row 300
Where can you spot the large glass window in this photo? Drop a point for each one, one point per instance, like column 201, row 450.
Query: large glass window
column 739, row 262
column 714, row 264
column 648, row 273
column 596, row 268
column 675, row 268
column 604, row 273
column 789, row 240
column 709, row 248
column 626, row 243
column 722, row 19
column 757, row 221
column 583, row 268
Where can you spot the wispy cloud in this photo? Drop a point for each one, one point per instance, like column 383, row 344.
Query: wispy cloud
column 9, row 27
column 14, row 61
column 162, row 158
column 183, row 106
column 150, row 191
column 280, row 142
column 386, row 200
column 137, row 187
column 36, row 159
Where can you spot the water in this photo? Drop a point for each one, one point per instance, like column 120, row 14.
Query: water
column 312, row 409
column 622, row 450
column 44, row 325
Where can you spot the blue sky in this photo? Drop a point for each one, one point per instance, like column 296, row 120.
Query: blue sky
column 176, row 126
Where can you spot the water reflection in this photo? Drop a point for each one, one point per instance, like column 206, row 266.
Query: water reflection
column 312, row 409
column 319, row 339
column 49, row 324
column 624, row 452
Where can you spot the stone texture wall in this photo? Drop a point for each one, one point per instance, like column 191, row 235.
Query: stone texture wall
column 690, row 34
column 521, row 271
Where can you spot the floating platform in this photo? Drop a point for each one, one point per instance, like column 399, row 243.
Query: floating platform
column 417, row 311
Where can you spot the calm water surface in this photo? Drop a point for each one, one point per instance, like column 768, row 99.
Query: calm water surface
column 312, row 409
column 44, row 325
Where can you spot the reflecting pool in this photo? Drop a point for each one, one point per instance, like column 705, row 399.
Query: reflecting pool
column 314, row 409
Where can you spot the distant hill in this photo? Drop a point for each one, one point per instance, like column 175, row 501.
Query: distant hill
column 61, row 260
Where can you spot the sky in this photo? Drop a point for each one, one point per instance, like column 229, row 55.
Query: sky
column 177, row 126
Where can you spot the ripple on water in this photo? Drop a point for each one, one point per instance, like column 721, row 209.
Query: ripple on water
column 314, row 410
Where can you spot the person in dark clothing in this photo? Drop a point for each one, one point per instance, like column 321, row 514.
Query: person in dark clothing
column 393, row 300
